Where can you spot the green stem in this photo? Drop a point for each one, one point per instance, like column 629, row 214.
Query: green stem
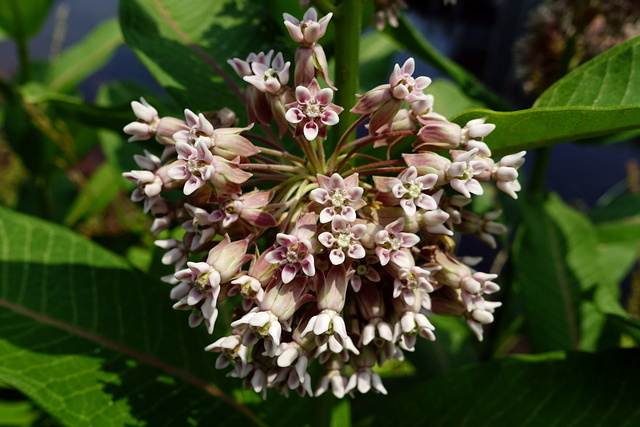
column 323, row 6
column 347, row 49
column 539, row 174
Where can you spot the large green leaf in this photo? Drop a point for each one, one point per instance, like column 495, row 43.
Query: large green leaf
column 598, row 98
column 558, row 389
column 94, row 342
column 81, row 60
column 555, row 263
column 186, row 43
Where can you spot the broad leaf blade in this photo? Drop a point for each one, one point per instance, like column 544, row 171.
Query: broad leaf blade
column 609, row 80
column 62, row 297
column 543, row 127
column 554, row 263
column 186, row 43
column 598, row 98
column 557, row 389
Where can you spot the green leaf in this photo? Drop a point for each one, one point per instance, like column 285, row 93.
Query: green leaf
column 21, row 19
column 186, row 43
column 554, row 263
column 17, row 414
column 94, row 342
column 542, row 390
column 449, row 99
column 101, row 188
column 376, row 56
column 609, row 80
column 543, row 127
column 598, row 98
column 84, row 58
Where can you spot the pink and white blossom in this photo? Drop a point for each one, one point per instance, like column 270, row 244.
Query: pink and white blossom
column 340, row 196
column 312, row 111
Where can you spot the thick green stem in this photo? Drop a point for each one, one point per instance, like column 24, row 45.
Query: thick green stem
column 347, row 21
column 539, row 174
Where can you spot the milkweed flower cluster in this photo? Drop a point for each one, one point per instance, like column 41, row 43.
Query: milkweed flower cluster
column 332, row 257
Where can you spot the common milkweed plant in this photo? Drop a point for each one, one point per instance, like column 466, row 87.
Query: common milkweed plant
column 311, row 205
column 334, row 262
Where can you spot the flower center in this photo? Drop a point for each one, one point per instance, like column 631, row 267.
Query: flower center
column 312, row 109
column 344, row 240
column 339, row 198
column 414, row 189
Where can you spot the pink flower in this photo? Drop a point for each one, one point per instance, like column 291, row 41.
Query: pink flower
column 404, row 86
column 345, row 239
column 309, row 30
column 343, row 196
column 462, row 171
column 294, row 252
column 391, row 240
column 243, row 68
column 224, row 142
column 198, row 168
column 409, row 188
column 505, row 173
column 313, row 111
column 145, row 127
column 269, row 79
column 149, row 186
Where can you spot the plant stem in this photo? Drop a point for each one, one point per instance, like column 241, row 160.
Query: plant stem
column 539, row 174
column 347, row 49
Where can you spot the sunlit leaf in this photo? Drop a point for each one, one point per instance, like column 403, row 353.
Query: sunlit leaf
column 598, row 98
column 102, row 337
column 186, row 43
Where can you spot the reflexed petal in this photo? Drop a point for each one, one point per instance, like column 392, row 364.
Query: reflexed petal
column 310, row 130
column 336, row 256
column 294, row 115
column 322, row 324
column 320, row 195
column 329, row 117
column 289, row 272
column 303, row 95
column 324, row 97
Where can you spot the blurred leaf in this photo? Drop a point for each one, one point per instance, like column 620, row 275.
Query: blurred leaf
column 554, row 263
column 449, row 99
column 624, row 206
column 449, row 351
column 94, row 342
column 376, row 59
column 186, row 43
column 542, row 390
column 21, row 19
column 97, row 193
column 84, row 58
column 17, row 414
column 598, row 98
